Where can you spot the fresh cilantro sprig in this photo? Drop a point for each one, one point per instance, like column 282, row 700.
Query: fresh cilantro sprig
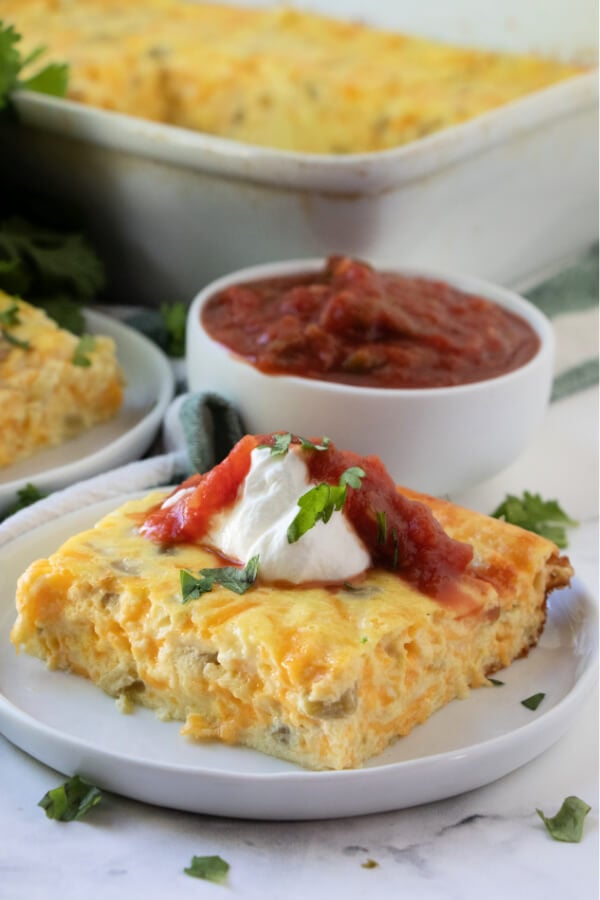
column 54, row 269
column 281, row 443
column 567, row 824
column 320, row 502
column 52, row 78
column 70, row 800
column 25, row 497
column 544, row 517
column 174, row 316
column 210, row 868
column 85, row 346
column 165, row 326
column 230, row 577
column 10, row 317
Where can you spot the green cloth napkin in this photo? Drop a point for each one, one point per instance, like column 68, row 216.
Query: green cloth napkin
column 574, row 291
column 211, row 426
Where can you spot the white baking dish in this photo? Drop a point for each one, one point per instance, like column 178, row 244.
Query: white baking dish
column 510, row 196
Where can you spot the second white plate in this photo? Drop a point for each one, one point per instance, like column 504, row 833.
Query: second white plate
column 149, row 388
column 69, row 724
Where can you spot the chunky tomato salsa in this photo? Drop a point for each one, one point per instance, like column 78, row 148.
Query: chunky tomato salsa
column 352, row 324
column 400, row 535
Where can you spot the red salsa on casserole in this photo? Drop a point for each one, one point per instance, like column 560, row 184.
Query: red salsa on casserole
column 351, row 324
column 399, row 534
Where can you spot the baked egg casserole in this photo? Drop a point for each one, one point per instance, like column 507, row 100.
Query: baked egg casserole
column 53, row 384
column 276, row 76
column 323, row 671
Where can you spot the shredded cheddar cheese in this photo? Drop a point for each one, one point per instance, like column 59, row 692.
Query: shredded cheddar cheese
column 324, row 677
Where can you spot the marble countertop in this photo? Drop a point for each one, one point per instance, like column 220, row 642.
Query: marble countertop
column 486, row 843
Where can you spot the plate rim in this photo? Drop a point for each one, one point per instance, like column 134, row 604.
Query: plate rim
column 540, row 733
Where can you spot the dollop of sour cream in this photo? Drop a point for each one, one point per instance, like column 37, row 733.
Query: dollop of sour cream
column 258, row 521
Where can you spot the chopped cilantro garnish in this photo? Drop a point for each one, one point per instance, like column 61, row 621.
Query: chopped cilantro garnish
column 321, row 501
column 10, row 316
column 370, row 864
column 174, row 316
column 71, row 800
column 86, row 345
column 534, row 701
column 51, row 79
column 496, row 682
column 281, row 443
column 381, row 527
column 230, row 577
column 210, row 868
column 544, row 517
column 56, row 270
column 567, row 824
column 25, row 497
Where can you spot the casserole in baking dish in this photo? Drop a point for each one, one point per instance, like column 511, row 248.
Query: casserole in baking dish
column 275, row 76
column 509, row 195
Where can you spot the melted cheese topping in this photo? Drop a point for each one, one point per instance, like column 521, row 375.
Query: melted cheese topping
column 323, row 677
column 44, row 398
column 277, row 77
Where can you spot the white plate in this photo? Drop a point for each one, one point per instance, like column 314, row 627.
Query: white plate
column 69, row 724
column 148, row 391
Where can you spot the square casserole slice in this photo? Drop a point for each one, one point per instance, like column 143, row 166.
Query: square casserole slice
column 45, row 397
column 324, row 677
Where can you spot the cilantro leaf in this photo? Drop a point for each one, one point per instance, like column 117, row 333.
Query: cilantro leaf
column 567, row 824
column 544, row 517
column 86, row 344
column 230, row 577
column 10, row 61
column 10, row 316
column 320, row 502
column 52, row 259
column 352, row 477
column 65, row 311
column 281, row 443
column 175, row 318
column 210, row 868
column 381, row 527
column 310, row 445
column 534, row 701
column 71, row 800
column 496, row 682
column 25, row 497
column 51, row 79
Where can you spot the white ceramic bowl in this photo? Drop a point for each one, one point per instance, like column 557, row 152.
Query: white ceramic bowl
column 436, row 440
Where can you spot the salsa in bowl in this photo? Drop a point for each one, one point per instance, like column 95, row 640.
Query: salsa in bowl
column 444, row 377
